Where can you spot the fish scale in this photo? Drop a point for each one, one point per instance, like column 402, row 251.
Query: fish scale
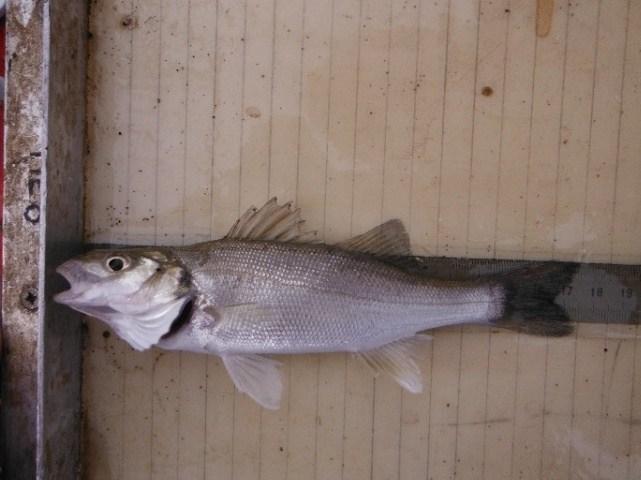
column 300, row 298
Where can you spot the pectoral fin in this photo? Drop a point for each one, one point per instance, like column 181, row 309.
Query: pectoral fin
column 259, row 377
column 399, row 360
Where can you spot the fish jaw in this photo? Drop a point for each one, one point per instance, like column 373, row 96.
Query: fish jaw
column 79, row 279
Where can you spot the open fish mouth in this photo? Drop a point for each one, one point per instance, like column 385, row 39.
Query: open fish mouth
column 78, row 278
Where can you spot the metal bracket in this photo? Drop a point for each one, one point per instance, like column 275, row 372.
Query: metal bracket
column 41, row 354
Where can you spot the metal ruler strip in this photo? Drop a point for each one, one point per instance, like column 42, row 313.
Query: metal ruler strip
column 598, row 293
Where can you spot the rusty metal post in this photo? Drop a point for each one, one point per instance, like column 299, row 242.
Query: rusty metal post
column 41, row 351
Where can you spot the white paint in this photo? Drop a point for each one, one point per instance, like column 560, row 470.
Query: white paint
column 32, row 111
column 24, row 10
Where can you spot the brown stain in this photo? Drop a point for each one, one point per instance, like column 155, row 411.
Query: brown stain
column 544, row 14
column 253, row 112
column 487, row 91
column 129, row 21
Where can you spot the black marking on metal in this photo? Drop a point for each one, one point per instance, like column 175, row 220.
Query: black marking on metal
column 29, row 298
column 32, row 213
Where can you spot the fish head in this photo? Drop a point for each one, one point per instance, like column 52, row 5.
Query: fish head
column 137, row 292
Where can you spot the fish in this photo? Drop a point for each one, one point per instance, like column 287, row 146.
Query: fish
column 269, row 287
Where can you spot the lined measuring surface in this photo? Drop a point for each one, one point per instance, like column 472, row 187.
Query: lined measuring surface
column 485, row 139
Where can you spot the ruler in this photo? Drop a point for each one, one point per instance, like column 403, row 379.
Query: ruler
column 598, row 293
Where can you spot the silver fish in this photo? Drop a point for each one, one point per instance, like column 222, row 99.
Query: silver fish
column 268, row 287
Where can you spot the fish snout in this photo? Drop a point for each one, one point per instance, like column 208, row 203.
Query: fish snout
column 78, row 278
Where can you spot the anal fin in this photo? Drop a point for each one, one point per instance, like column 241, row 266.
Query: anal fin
column 257, row 376
column 400, row 360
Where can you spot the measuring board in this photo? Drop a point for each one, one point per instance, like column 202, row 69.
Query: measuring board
column 598, row 293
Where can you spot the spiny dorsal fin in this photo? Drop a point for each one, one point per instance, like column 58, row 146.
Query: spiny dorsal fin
column 272, row 222
column 390, row 238
column 400, row 360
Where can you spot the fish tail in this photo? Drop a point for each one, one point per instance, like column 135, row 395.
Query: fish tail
column 529, row 299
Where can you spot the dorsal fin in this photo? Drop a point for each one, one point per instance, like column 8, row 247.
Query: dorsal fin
column 272, row 222
column 390, row 238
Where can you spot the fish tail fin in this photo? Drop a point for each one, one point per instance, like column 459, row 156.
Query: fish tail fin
column 529, row 295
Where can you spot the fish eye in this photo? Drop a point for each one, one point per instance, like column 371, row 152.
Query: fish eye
column 116, row 264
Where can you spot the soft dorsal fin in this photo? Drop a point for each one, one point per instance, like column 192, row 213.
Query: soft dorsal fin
column 272, row 222
column 400, row 360
column 390, row 238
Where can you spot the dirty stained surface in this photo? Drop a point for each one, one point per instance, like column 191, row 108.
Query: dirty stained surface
column 486, row 139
